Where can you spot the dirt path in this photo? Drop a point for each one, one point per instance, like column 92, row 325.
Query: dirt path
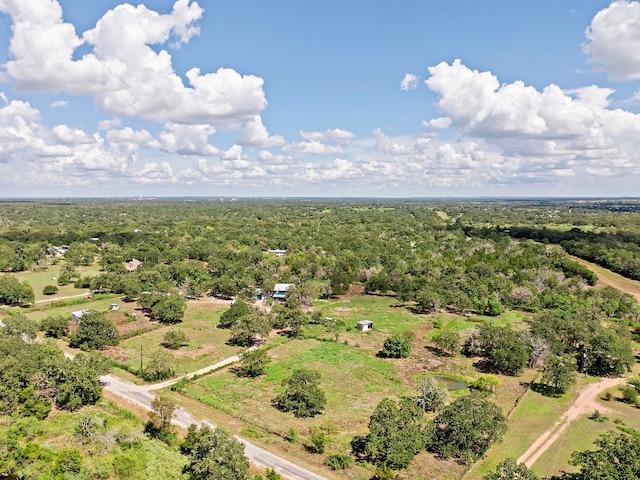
column 55, row 299
column 612, row 279
column 585, row 403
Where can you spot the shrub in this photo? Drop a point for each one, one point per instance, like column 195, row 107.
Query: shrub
column 397, row 346
column 174, row 339
column 338, row 461
column 50, row 290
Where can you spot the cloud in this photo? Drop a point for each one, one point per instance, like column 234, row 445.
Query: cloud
column 613, row 40
column 59, row 103
column 123, row 73
column 409, row 82
column 332, row 135
column 557, row 131
column 255, row 134
column 312, row 148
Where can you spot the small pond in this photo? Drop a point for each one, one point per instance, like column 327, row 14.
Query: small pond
column 451, row 383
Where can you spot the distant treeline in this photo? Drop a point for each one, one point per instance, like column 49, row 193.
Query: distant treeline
column 619, row 252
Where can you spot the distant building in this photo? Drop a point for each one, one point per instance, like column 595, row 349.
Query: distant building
column 133, row 265
column 114, row 306
column 280, row 290
column 77, row 316
column 278, row 252
column 365, row 325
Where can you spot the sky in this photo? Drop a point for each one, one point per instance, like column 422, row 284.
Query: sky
column 319, row 98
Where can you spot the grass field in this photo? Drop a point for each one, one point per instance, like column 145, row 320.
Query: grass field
column 38, row 279
column 206, row 343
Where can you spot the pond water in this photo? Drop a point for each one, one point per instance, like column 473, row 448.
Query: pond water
column 451, row 383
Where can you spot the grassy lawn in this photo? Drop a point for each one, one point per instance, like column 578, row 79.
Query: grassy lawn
column 582, row 433
column 38, row 279
column 534, row 414
column 206, row 342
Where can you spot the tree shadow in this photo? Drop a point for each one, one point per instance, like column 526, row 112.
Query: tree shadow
column 545, row 390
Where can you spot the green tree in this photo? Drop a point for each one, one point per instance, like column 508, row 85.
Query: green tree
column 14, row 292
column 50, row 290
column 302, row 396
column 510, row 469
column 448, row 342
column 238, row 309
column 397, row 346
column 250, row 329
column 159, row 365
column 395, row 434
column 467, row 428
column 252, row 363
column 169, row 309
column 159, row 424
column 617, row 458
column 559, row 372
column 431, row 395
column 20, row 326
column 174, row 339
column 214, row 455
column 55, row 327
column 95, row 331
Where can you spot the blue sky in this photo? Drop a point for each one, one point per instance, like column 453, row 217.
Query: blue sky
column 417, row 98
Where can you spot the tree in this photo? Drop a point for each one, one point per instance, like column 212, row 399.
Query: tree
column 55, row 327
column 174, row 339
column 94, row 332
column 250, row 328
column 159, row 366
column 14, row 292
column 50, row 290
column 395, row 434
column 467, row 428
column 397, row 346
column 214, row 455
column 510, row 469
column 159, row 424
column 252, row 363
column 617, row 458
column 238, row 309
column 503, row 348
column 302, row 396
column 169, row 309
column 448, row 342
column 559, row 372
column 20, row 326
column 432, row 395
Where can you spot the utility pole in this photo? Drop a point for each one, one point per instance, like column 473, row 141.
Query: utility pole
column 141, row 360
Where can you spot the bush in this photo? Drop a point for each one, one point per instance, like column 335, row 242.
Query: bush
column 55, row 327
column 397, row 346
column 318, row 442
column 174, row 339
column 50, row 290
column 338, row 461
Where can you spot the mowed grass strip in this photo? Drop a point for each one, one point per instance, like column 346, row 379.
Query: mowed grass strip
column 582, row 434
column 533, row 415
column 38, row 279
column 206, row 343
column 353, row 381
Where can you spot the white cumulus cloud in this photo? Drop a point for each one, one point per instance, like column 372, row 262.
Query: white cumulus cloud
column 409, row 82
column 613, row 40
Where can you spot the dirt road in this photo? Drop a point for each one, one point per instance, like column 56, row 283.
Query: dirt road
column 258, row 456
column 585, row 403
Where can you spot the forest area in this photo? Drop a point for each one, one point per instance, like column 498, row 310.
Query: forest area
column 360, row 339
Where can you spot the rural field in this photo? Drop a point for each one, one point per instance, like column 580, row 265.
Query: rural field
column 465, row 309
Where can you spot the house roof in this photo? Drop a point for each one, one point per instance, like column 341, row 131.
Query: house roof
column 282, row 287
column 365, row 322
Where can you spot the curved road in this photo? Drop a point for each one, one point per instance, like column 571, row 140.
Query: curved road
column 141, row 396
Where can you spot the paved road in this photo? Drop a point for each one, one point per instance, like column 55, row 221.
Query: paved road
column 141, row 396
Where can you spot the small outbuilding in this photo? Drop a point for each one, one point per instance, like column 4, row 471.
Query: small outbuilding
column 114, row 306
column 280, row 290
column 365, row 325
column 77, row 316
